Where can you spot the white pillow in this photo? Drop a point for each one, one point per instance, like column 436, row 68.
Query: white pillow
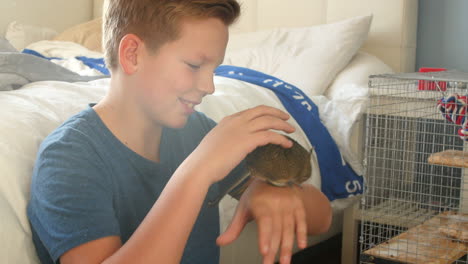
column 20, row 35
column 308, row 57
column 355, row 76
column 349, row 94
column 28, row 115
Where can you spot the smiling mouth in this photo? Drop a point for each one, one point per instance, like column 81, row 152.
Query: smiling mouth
column 189, row 105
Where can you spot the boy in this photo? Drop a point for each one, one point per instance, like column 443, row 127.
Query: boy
column 128, row 179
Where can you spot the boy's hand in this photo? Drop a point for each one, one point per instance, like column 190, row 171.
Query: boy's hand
column 239, row 134
column 280, row 216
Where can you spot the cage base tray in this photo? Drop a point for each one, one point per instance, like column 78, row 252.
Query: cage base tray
column 422, row 244
column 368, row 259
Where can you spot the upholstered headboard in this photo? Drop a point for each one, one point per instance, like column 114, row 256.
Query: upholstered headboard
column 392, row 37
column 54, row 14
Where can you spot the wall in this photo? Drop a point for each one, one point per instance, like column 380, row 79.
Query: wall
column 38, row 12
column 443, row 34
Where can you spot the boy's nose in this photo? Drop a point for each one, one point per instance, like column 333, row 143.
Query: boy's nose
column 206, row 85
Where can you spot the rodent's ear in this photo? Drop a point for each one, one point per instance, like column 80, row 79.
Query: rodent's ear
column 129, row 48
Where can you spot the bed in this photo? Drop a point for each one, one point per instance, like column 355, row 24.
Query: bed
column 326, row 48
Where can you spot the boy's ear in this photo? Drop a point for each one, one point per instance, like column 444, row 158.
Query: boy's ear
column 129, row 49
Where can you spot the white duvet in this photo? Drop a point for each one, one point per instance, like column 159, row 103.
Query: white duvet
column 29, row 114
column 67, row 51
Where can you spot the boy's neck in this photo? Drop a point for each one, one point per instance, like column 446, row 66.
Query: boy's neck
column 130, row 126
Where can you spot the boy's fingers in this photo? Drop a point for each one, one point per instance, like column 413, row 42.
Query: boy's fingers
column 270, row 122
column 234, row 229
column 271, row 137
column 275, row 241
column 262, row 110
column 301, row 229
column 287, row 239
column 265, row 227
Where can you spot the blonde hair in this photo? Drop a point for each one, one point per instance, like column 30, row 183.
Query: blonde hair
column 157, row 22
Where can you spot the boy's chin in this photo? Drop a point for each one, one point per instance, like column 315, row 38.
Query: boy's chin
column 177, row 123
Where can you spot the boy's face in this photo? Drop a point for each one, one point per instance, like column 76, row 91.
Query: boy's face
column 174, row 79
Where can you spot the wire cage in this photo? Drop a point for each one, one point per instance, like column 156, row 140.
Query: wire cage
column 415, row 205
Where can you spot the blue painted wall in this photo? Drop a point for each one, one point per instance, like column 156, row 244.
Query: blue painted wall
column 443, row 34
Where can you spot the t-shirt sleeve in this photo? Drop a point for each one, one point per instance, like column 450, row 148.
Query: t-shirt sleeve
column 71, row 198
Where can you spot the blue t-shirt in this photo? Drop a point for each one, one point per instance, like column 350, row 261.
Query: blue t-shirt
column 87, row 185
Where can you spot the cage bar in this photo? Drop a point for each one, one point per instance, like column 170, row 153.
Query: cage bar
column 415, row 205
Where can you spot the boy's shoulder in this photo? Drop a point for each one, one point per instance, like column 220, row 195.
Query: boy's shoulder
column 78, row 127
column 85, row 132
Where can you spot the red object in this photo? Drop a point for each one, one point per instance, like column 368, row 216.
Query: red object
column 429, row 85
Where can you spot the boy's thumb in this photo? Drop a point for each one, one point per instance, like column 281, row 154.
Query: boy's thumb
column 234, row 229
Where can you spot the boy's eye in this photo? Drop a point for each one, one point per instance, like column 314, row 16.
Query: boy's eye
column 193, row 66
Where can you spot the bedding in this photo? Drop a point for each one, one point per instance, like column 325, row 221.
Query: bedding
column 307, row 57
column 336, row 175
column 70, row 55
column 68, row 50
column 87, row 34
column 18, row 69
column 356, row 76
column 233, row 95
column 20, row 35
column 5, row 45
column 37, row 108
column 28, row 114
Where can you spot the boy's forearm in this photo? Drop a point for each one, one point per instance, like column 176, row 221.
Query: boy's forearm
column 162, row 235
